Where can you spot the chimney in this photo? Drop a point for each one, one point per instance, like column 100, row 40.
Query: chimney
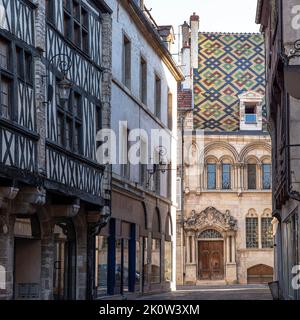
column 194, row 22
column 185, row 35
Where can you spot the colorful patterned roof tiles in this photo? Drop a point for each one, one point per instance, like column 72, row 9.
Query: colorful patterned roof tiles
column 229, row 64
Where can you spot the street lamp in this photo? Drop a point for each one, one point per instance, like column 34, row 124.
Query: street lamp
column 63, row 63
column 162, row 161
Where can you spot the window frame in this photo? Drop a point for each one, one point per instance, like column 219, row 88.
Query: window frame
column 143, row 80
column 215, row 176
column 266, row 243
column 229, row 187
column 72, row 22
column 76, row 119
column 11, row 73
column 157, row 95
column 249, row 235
column 253, row 165
column 263, row 176
column 126, row 60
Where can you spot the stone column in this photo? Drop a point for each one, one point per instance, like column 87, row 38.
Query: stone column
column 234, row 249
column 47, row 258
column 228, row 249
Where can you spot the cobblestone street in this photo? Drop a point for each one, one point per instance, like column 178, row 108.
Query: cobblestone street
column 250, row 292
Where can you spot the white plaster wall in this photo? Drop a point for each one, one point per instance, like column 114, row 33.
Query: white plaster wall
column 126, row 102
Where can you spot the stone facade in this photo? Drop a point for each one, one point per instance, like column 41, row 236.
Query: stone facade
column 213, row 244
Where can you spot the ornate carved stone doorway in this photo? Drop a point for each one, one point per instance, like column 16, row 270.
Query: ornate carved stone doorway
column 210, row 256
column 210, row 246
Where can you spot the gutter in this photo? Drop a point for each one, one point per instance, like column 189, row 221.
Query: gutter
column 259, row 11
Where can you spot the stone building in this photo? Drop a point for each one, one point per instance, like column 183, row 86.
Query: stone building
column 136, row 251
column 280, row 24
column 224, row 233
column 55, row 95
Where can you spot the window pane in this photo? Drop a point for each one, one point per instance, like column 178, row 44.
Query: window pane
column 60, row 128
column 118, row 263
column 143, row 81
column 101, row 265
column 226, row 176
column 126, row 62
column 77, row 138
column 4, row 53
column 126, row 264
column 252, row 176
column 76, row 34
column 211, row 176
column 157, row 97
column 155, row 258
column 76, row 10
column 252, row 232
column 266, row 233
column 266, row 172
column 68, row 143
column 138, row 266
column 5, row 97
column 28, row 67
column 77, row 105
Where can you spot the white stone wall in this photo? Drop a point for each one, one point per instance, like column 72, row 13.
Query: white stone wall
column 127, row 106
column 239, row 201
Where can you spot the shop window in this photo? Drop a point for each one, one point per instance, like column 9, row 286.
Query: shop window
column 101, row 265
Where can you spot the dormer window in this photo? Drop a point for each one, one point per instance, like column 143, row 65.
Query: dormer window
column 251, row 111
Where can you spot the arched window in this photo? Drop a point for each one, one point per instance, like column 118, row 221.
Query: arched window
column 266, row 229
column 211, row 174
column 266, row 174
column 210, row 234
column 252, row 230
column 252, row 174
column 226, row 175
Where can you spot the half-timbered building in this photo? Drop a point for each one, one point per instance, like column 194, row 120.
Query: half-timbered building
column 55, row 60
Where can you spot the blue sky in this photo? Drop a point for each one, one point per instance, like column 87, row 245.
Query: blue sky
column 215, row 15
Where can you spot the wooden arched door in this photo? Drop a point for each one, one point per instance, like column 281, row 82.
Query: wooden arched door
column 259, row 274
